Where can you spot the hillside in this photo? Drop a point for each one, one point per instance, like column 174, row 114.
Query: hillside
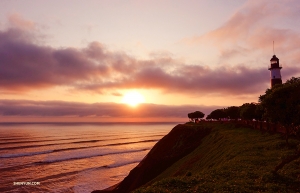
column 215, row 157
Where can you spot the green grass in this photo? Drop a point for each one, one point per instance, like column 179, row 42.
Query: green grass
column 231, row 159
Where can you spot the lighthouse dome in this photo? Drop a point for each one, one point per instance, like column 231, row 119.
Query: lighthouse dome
column 274, row 62
column 274, row 59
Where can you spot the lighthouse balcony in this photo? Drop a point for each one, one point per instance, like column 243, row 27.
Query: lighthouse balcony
column 273, row 66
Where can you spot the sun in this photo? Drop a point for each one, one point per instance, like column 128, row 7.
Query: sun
column 133, row 98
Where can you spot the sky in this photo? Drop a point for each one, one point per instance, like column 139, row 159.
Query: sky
column 73, row 60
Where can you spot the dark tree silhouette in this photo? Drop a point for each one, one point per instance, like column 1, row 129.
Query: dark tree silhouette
column 217, row 114
column 282, row 105
column 195, row 116
column 247, row 111
column 259, row 112
column 232, row 112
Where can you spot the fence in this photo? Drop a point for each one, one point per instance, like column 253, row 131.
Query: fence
column 260, row 125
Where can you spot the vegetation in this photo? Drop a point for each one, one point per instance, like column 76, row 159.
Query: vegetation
column 217, row 114
column 195, row 116
column 238, row 159
column 279, row 105
column 282, row 105
column 232, row 112
column 250, row 111
column 231, row 159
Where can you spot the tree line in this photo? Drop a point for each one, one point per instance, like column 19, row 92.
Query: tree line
column 279, row 105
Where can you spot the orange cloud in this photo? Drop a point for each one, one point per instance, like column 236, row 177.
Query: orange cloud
column 15, row 20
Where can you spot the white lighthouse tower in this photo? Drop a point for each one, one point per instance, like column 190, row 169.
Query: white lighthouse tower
column 275, row 71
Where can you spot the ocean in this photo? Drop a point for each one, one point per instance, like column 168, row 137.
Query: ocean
column 72, row 157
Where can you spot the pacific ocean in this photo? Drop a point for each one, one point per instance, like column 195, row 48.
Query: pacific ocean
column 72, row 157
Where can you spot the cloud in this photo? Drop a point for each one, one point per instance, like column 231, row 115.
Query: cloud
column 27, row 65
column 232, row 52
column 238, row 26
column 75, row 109
column 252, row 16
column 249, row 33
column 254, row 26
column 16, row 20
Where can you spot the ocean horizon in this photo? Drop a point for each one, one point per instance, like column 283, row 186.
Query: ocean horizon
column 73, row 157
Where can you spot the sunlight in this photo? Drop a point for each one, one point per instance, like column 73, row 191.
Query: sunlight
column 133, row 98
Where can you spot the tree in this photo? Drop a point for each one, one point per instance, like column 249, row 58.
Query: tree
column 282, row 105
column 259, row 112
column 232, row 112
column 217, row 114
column 195, row 116
column 247, row 111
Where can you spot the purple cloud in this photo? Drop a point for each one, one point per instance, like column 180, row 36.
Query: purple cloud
column 27, row 65
column 61, row 108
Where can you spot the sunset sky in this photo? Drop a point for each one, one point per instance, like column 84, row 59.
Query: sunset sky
column 74, row 60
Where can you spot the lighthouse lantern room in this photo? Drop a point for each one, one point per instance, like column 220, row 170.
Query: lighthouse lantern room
column 275, row 71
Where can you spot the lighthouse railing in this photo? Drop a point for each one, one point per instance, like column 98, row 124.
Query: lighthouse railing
column 270, row 66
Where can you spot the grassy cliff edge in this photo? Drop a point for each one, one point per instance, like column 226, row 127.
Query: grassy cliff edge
column 215, row 157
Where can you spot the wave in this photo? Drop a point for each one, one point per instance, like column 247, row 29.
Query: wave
column 68, row 149
column 25, row 154
column 120, row 164
column 42, row 145
column 30, row 146
column 74, row 142
column 36, row 141
column 106, row 145
column 9, row 138
column 20, row 167
column 133, row 142
column 110, row 166
column 88, row 155
column 89, row 141
column 15, row 138
column 71, row 174
column 41, row 139
column 47, row 140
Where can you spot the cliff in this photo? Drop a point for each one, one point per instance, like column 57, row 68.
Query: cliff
column 181, row 140
column 215, row 157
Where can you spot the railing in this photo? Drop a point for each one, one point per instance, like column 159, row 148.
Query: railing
column 259, row 125
column 274, row 66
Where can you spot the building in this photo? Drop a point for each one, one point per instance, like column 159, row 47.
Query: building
column 275, row 71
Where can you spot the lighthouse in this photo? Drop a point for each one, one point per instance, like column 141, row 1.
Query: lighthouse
column 275, row 71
